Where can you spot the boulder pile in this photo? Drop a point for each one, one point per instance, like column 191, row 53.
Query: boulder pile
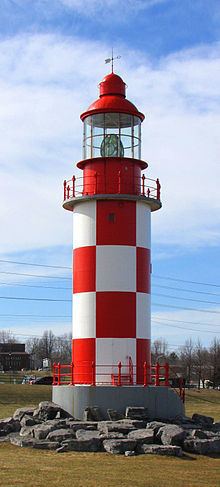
column 50, row 427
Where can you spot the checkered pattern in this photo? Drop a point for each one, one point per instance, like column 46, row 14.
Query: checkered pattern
column 111, row 286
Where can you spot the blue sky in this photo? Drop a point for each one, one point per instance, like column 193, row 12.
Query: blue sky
column 51, row 60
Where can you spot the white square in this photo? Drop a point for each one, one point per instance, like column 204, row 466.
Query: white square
column 84, row 224
column 143, row 225
column 143, row 315
column 115, row 268
column 84, row 315
column 110, row 351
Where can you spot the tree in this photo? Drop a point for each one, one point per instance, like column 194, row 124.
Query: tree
column 6, row 336
column 214, row 358
column 187, row 359
column 200, row 362
column 159, row 349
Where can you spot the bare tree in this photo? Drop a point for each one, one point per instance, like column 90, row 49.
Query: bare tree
column 200, row 362
column 159, row 349
column 6, row 336
column 187, row 359
column 214, row 357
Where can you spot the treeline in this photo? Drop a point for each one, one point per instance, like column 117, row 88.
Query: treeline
column 192, row 361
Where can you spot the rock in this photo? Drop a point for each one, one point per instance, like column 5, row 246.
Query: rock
column 92, row 414
column 91, row 445
column 130, row 453
column 142, row 436
column 171, row 434
column 118, row 426
column 40, row 431
column 9, row 425
column 87, row 435
column 168, row 450
column 119, row 446
column 77, row 425
column 216, row 427
column 48, row 410
column 26, row 431
column 60, row 435
column 23, row 442
column 20, row 412
column 112, row 435
column 206, row 421
column 133, row 423
column 201, row 434
column 202, row 447
column 28, row 421
column 114, row 415
column 137, row 413
column 155, row 425
column 45, row 445
column 62, row 449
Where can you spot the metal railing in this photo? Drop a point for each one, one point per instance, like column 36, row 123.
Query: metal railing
column 114, row 374
column 120, row 184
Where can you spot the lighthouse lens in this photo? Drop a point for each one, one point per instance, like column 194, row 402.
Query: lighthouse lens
column 112, row 146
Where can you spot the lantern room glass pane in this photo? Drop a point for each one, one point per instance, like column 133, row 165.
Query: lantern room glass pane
column 112, row 135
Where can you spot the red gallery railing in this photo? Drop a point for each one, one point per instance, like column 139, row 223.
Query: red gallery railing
column 115, row 375
column 96, row 184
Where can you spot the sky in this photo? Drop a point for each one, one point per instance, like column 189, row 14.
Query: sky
column 52, row 58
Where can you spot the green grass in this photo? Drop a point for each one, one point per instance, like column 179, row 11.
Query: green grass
column 33, row 468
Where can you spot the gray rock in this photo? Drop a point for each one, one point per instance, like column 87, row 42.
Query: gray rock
column 142, row 436
column 87, row 435
column 113, row 435
column 168, row 450
column 45, row 445
column 48, row 410
column 41, row 431
column 62, row 449
column 26, row 431
column 23, row 442
column 134, row 423
column 216, row 427
column 202, row 447
column 28, row 421
column 155, row 425
column 171, row 434
column 119, row 446
column 118, row 426
column 77, row 425
column 20, row 412
column 92, row 414
column 60, row 435
column 130, row 453
column 137, row 413
column 201, row 434
column 91, row 445
column 206, row 421
column 9, row 425
column 114, row 415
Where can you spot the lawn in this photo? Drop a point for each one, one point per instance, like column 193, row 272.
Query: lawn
column 32, row 468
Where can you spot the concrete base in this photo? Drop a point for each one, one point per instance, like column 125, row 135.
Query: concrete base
column 161, row 402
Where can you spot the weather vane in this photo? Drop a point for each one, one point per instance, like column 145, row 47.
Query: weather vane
column 112, row 59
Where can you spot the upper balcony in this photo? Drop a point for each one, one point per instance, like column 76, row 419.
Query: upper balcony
column 97, row 186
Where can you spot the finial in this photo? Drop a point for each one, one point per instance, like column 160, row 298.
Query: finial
column 112, row 59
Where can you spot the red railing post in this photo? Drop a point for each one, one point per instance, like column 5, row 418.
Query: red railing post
column 72, row 373
column 73, row 181
column 166, row 367
column 148, row 192
column 68, row 191
column 58, row 373
column 95, row 188
column 119, row 182
column 64, row 189
column 119, row 373
column 145, row 374
column 157, row 374
column 93, row 373
column 158, row 189
column 143, row 184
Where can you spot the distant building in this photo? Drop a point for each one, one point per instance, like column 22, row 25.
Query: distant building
column 14, row 357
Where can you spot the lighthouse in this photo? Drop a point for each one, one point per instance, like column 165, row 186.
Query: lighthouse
column 111, row 203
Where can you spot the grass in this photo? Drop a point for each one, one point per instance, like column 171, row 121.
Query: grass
column 33, row 468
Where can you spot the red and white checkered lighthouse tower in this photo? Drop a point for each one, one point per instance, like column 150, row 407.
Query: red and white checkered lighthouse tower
column 112, row 204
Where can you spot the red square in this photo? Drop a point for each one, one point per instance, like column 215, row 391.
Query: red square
column 143, row 355
column 115, row 315
column 84, row 269
column 116, row 223
column 143, row 270
column 83, row 357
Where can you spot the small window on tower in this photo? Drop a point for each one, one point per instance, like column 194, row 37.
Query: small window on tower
column 111, row 217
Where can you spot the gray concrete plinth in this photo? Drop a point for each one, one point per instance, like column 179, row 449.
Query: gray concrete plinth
column 161, row 402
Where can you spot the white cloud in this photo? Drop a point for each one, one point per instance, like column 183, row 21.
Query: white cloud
column 47, row 80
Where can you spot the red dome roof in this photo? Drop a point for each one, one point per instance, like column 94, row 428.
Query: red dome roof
column 112, row 98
